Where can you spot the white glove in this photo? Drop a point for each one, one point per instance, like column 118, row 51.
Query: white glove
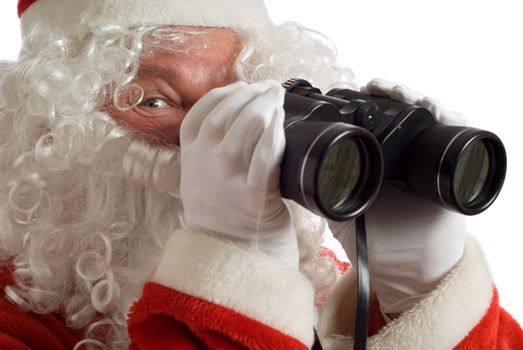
column 412, row 242
column 232, row 142
column 402, row 93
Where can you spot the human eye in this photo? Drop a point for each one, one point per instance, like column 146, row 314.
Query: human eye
column 158, row 101
column 155, row 103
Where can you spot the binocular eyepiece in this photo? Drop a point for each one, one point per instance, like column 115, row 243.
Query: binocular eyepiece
column 342, row 145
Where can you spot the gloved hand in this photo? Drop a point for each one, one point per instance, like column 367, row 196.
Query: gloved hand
column 412, row 242
column 402, row 93
column 232, row 143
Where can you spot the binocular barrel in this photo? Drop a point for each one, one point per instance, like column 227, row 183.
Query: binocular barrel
column 341, row 147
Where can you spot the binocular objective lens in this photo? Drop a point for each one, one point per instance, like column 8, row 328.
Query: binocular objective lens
column 472, row 173
column 337, row 184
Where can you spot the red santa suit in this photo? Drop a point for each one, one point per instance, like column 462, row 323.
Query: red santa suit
column 240, row 300
column 210, row 294
column 207, row 293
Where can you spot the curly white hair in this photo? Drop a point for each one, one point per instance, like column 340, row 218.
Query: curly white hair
column 85, row 205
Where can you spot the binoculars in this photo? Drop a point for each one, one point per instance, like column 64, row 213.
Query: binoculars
column 342, row 145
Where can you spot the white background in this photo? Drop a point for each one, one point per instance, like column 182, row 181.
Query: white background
column 467, row 54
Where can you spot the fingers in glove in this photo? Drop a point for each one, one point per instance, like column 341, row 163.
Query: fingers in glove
column 402, row 93
column 398, row 92
column 268, row 151
column 443, row 115
column 253, row 126
column 434, row 106
column 193, row 121
column 453, row 118
column 226, row 110
column 379, row 87
column 254, row 145
column 270, row 147
column 405, row 95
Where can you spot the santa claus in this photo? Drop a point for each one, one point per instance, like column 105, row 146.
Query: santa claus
column 140, row 145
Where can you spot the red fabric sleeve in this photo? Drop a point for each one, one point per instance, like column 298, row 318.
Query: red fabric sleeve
column 23, row 330
column 497, row 330
column 8, row 342
column 167, row 319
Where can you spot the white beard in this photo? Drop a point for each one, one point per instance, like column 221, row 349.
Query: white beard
column 87, row 228
column 87, row 232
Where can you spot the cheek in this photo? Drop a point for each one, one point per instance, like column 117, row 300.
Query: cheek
column 157, row 130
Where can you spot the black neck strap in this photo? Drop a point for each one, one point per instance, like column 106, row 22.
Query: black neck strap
column 362, row 311
column 361, row 330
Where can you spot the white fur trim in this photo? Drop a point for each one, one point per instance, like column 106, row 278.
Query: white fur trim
column 254, row 285
column 439, row 321
column 67, row 14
